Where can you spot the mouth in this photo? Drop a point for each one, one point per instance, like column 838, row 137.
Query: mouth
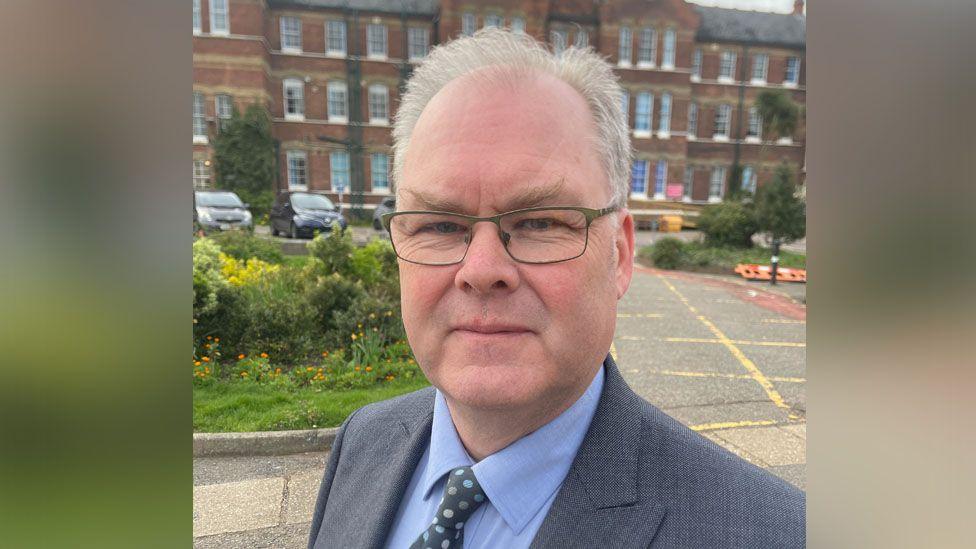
column 491, row 330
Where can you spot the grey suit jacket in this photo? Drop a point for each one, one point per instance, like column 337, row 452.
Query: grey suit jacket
column 640, row 479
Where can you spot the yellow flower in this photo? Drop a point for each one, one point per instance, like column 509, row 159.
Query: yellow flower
column 372, row 315
column 353, row 337
column 243, row 374
column 359, row 325
column 374, row 329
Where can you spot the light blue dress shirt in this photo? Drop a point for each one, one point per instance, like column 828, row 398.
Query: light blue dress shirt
column 521, row 480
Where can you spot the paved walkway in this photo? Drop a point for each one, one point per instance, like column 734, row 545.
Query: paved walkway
column 721, row 355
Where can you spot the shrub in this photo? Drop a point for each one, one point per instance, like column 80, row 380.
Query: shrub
column 207, row 281
column 244, row 245
column 779, row 212
column 334, row 252
column 728, row 224
column 241, row 273
column 668, row 253
column 331, row 295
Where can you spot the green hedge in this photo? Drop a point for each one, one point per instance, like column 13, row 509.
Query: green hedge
column 671, row 253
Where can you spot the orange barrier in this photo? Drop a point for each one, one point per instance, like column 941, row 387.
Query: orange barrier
column 764, row 272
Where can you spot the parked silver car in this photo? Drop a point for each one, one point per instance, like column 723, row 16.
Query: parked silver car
column 387, row 205
column 220, row 211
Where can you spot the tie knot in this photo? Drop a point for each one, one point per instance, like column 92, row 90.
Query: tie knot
column 462, row 496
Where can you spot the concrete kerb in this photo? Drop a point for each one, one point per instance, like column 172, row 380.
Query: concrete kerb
column 264, row 443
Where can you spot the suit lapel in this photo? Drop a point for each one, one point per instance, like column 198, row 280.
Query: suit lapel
column 598, row 503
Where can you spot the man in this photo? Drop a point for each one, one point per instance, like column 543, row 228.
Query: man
column 515, row 245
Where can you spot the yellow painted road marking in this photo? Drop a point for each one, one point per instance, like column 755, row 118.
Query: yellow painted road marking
column 783, row 321
column 639, row 315
column 613, row 351
column 631, row 338
column 735, row 341
column 724, row 375
column 749, row 365
column 731, row 425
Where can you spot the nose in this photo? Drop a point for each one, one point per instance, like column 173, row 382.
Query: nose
column 487, row 267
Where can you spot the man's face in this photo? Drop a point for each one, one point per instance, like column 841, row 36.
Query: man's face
column 489, row 332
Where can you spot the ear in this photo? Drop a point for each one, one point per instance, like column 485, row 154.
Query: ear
column 625, row 252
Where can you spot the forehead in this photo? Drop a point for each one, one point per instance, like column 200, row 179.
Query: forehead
column 485, row 141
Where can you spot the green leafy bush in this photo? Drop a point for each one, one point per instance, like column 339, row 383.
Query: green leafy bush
column 333, row 252
column 779, row 211
column 728, row 223
column 668, row 253
column 207, row 280
column 244, row 245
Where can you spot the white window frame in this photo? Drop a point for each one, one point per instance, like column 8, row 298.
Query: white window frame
column 638, row 115
column 199, row 118
column 633, row 165
column 692, row 133
column 518, row 25
column 792, row 83
column 334, row 173
column 696, row 65
column 754, row 129
column 378, row 91
column 376, row 36
column 469, row 22
column 716, row 179
column 219, row 7
column 759, row 80
column 661, row 178
column 197, row 18
column 494, row 20
column 667, row 59
column 334, row 88
column 418, row 42
column 559, row 38
column 724, row 111
column 385, row 186
column 664, row 117
column 283, row 21
column 294, row 84
column 582, row 38
column 688, row 183
column 201, row 174
column 729, row 56
column 647, row 43
column 337, row 27
column 225, row 111
column 292, row 171
column 625, row 47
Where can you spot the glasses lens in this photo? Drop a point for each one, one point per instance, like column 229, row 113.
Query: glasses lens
column 544, row 236
column 432, row 239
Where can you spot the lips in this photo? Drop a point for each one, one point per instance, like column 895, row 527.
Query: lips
column 494, row 328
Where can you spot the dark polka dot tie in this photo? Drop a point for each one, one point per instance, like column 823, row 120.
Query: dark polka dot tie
column 462, row 496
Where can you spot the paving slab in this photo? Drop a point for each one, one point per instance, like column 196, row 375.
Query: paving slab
column 794, row 474
column 236, row 506
column 735, row 449
column 303, row 488
column 289, row 536
column 760, row 410
column 797, row 429
column 772, row 445
column 215, row 470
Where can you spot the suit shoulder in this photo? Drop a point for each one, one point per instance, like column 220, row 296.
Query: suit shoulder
column 387, row 414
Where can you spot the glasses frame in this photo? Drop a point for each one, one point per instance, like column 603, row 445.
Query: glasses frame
column 590, row 214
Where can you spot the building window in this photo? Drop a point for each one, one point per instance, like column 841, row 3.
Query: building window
column 726, row 70
column 638, row 178
column 749, row 179
column 518, row 25
column 417, row 42
column 291, row 34
column 339, row 166
column 642, row 114
column 723, row 114
column 199, row 119
column 219, row 23
column 623, row 53
column 688, row 182
column 625, row 106
column 559, row 39
column 379, row 172
column 201, row 174
column 197, row 27
column 297, row 170
column 468, row 23
column 335, row 32
column 336, row 93
column 693, row 121
column 225, row 110
column 760, row 63
column 647, row 48
column 294, row 99
column 660, row 178
column 664, row 120
column 696, row 62
column 379, row 104
column 668, row 61
column 716, row 184
column 792, row 77
column 376, row 41
column 494, row 20
column 755, row 125
column 582, row 38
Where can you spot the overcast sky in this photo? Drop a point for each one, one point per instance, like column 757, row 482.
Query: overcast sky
column 777, row 6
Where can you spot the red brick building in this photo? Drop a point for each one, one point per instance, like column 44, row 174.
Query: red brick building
column 329, row 72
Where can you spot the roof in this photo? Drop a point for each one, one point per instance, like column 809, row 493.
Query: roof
column 423, row 7
column 772, row 29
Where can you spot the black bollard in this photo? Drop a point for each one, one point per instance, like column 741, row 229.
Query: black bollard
column 775, row 262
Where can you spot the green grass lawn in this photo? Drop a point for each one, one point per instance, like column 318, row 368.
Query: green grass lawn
column 231, row 406
column 297, row 261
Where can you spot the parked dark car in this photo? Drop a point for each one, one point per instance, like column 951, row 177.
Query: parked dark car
column 301, row 214
column 220, row 211
column 387, row 205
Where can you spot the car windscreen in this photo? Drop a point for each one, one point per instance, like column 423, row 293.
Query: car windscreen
column 311, row 202
column 219, row 200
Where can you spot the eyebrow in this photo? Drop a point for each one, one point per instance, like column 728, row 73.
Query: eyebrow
column 538, row 195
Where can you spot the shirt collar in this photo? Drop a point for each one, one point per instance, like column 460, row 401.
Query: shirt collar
column 520, row 478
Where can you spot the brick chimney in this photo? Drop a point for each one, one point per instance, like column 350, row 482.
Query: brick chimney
column 798, row 7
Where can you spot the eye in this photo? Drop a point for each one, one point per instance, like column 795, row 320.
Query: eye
column 441, row 227
column 537, row 224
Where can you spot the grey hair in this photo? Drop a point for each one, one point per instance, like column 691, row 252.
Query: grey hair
column 584, row 70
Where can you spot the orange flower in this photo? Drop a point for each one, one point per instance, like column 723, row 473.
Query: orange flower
column 205, row 359
column 369, row 368
column 240, row 356
column 277, row 370
column 216, row 340
column 357, row 368
column 309, row 369
column 325, row 353
column 209, row 337
column 196, row 362
column 264, row 355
